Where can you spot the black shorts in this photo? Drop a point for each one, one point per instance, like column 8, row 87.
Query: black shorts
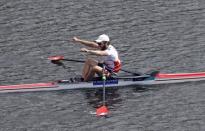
column 107, row 68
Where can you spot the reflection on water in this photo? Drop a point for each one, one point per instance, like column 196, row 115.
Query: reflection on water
column 112, row 95
column 95, row 97
column 139, row 89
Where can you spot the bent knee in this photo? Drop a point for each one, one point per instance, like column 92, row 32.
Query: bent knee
column 91, row 62
column 97, row 69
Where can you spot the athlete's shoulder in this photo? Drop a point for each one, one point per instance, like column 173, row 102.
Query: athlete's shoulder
column 111, row 47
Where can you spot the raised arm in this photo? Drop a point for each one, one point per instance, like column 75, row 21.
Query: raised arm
column 94, row 52
column 86, row 42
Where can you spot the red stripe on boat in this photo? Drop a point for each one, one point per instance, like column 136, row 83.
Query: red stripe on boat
column 26, row 86
column 181, row 75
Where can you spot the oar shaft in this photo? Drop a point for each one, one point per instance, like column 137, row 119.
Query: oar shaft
column 80, row 61
column 104, row 79
column 58, row 58
column 134, row 73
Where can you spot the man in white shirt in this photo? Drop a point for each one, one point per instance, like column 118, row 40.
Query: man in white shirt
column 111, row 60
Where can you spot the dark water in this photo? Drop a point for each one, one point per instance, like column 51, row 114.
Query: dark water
column 165, row 34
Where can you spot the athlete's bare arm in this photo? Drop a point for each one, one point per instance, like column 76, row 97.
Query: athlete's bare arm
column 86, row 42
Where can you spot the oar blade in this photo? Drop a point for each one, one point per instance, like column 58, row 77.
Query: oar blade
column 102, row 111
column 56, row 58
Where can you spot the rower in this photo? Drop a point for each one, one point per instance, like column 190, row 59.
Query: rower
column 100, row 47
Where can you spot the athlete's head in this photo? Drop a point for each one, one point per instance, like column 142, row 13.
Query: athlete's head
column 103, row 41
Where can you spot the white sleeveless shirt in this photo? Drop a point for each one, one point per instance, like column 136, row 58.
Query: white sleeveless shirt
column 111, row 57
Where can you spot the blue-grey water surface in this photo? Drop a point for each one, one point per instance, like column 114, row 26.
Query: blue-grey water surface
column 168, row 35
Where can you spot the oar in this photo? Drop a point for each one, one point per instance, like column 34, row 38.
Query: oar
column 54, row 60
column 58, row 58
column 103, row 110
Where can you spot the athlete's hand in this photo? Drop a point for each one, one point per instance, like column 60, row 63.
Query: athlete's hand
column 75, row 39
column 84, row 50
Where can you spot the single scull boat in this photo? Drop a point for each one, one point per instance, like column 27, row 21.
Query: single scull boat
column 153, row 78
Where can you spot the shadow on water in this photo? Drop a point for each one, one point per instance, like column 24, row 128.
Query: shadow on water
column 139, row 89
column 113, row 96
column 95, row 97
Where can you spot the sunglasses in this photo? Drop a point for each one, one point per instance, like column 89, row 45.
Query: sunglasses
column 99, row 43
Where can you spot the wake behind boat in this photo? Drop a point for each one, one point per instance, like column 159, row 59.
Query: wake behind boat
column 153, row 78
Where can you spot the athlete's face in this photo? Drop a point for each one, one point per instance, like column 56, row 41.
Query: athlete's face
column 103, row 45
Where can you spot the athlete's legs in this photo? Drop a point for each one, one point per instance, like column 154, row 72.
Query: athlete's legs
column 94, row 69
column 89, row 63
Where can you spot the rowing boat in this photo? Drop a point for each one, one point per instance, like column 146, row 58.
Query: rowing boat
column 113, row 82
